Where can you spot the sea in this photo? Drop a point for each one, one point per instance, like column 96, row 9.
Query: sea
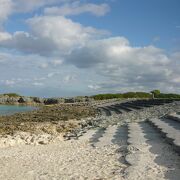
column 12, row 109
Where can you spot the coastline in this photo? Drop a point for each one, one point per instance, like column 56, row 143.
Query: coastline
column 97, row 148
column 43, row 126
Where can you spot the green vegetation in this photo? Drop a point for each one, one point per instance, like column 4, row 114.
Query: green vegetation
column 11, row 95
column 136, row 95
column 168, row 96
column 106, row 96
column 121, row 96
column 156, row 94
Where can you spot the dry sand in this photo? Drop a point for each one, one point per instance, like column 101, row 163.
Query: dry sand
column 60, row 160
column 94, row 156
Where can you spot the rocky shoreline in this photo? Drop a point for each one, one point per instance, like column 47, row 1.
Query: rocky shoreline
column 120, row 146
column 69, row 121
column 23, row 100
column 42, row 125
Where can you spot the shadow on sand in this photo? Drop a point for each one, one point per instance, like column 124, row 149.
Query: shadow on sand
column 165, row 155
column 120, row 139
column 172, row 123
column 95, row 138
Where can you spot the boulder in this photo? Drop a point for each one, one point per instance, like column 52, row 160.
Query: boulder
column 49, row 101
column 26, row 100
column 69, row 100
column 37, row 100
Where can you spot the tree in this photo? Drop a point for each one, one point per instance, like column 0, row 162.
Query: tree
column 155, row 93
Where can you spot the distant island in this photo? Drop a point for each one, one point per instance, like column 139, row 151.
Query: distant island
column 14, row 98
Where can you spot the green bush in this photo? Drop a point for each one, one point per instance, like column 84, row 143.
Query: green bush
column 11, row 95
column 168, row 96
column 125, row 95
column 107, row 96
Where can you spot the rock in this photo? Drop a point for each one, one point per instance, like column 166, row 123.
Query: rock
column 38, row 100
column 69, row 100
column 50, row 101
column 8, row 100
column 21, row 100
column 69, row 136
column 43, row 142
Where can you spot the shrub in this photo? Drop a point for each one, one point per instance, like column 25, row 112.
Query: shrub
column 125, row 95
column 168, row 96
column 11, row 95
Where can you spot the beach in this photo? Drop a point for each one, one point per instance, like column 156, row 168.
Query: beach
column 115, row 147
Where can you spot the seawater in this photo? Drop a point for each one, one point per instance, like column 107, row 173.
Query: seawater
column 12, row 109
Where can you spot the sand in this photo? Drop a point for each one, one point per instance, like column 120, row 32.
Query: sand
column 94, row 156
column 60, row 160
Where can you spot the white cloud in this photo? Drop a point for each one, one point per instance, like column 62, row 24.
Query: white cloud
column 69, row 78
column 126, row 66
column 27, row 6
column 78, row 8
column 94, row 87
column 121, row 66
column 57, row 62
column 5, row 9
column 9, row 82
column 52, row 74
column 51, row 35
column 39, row 78
column 38, row 84
column 62, row 32
column 9, row 7
column 43, row 65
column 5, row 36
column 27, row 43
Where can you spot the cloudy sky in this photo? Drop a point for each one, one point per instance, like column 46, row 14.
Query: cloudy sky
column 84, row 47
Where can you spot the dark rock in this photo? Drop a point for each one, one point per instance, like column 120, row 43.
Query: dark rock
column 37, row 100
column 50, row 101
column 21, row 100
column 69, row 100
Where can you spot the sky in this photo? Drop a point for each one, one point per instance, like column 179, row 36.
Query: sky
column 60, row 48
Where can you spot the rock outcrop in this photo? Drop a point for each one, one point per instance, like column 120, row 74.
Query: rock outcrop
column 6, row 99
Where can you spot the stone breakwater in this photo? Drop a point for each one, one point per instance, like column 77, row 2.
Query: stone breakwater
column 103, row 121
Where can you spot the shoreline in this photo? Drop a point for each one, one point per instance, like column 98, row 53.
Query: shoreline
column 103, row 147
column 51, row 122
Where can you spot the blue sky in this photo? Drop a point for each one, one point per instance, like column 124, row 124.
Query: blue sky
column 69, row 48
column 141, row 21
